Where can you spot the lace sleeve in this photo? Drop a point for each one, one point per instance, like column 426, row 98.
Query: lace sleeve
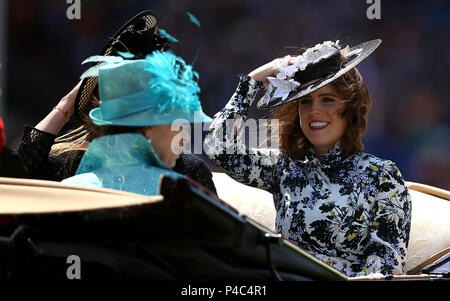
column 34, row 148
column 248, row 165
column 194, row 167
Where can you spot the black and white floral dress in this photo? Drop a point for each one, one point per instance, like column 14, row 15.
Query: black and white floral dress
column 353, row 213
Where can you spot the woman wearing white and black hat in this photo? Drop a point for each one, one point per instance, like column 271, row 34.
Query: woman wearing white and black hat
column 348, row 208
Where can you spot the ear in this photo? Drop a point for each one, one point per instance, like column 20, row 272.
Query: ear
column 146, row 131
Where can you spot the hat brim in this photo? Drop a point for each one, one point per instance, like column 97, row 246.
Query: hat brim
column 356, row 55
column 147, row 118
column 84, row 101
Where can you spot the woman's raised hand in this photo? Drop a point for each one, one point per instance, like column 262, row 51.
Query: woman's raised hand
column 68, row 102
column 57, row 118
column 261, row 73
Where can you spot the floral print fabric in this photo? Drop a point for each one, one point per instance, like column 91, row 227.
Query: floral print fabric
column 353, row 213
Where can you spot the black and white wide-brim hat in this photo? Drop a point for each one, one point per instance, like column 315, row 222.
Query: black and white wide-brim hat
column 316, row 67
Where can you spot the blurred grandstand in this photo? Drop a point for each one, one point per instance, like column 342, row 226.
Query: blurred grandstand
column 408, row 76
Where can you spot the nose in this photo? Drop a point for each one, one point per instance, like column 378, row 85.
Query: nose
column 316, row 107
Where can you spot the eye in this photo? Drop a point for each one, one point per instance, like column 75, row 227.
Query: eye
column 305, row 101
column 328, row 99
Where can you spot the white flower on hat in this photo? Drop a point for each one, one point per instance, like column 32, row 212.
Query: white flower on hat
column 287, row 72
column 282, row 62
column 283, row 87
column 301, row 62
column 286, row 67
column 267, row 97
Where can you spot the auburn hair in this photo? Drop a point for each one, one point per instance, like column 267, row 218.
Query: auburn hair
column 352, row 88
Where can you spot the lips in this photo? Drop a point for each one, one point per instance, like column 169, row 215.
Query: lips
column 318, row 125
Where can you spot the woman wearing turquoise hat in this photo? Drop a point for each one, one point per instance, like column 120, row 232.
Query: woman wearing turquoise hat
column 141, row 101
column 48, row 156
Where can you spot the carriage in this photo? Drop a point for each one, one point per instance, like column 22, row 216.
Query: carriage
column 186, row 233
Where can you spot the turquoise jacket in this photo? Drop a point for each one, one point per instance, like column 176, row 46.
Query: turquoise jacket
column 125, row 162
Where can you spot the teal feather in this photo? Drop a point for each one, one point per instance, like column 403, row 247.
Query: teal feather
column 103, row 58
column 193, row 19
column 106, row 60
column 174, row 80
column 126, row 55
column 167, row 36
column 93, row 71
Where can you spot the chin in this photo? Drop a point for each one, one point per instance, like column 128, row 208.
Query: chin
column 319, row 142
column 324, row 147
column 172, row 162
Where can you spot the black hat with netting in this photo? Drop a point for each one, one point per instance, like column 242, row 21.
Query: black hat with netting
column 138, row 36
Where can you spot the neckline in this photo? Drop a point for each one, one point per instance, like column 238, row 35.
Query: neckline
column 119, row 150
column 331, row 157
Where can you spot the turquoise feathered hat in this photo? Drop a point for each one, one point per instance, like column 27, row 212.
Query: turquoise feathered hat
column 160, row 89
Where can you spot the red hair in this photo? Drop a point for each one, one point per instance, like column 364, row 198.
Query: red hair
column 350, row 86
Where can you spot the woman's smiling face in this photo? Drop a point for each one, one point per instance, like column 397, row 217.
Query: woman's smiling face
column 320, row 118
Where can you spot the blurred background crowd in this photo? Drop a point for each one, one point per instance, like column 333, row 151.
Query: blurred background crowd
column 408, row 75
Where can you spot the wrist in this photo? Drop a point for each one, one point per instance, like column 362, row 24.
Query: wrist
column 67, row 105
column 260, row 74
column 65, row 113
column 258, row 77
column 245, row 93
column 250, row 82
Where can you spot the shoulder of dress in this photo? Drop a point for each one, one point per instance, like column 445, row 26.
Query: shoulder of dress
column 284, row 159
column 385, row 170
column 369, row 160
